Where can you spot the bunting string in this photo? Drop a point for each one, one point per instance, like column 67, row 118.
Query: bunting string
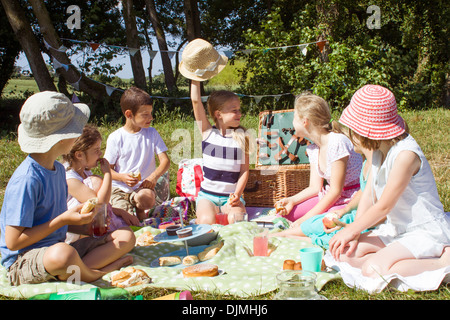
column 109, row 89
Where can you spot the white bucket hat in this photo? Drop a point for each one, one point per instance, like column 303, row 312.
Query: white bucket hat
column 200, row 61
column 48, row 117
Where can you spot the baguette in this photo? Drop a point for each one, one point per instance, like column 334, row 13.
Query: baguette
column 190, row 260
column 89, row 205
column 169, row 261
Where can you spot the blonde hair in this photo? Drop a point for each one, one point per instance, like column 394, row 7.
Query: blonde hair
column 371, row 144
column 215, row 102
column 317, row 111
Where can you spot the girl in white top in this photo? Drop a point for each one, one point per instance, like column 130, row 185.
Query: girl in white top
column 400, row 188
column 332, row 160
column 83, row 185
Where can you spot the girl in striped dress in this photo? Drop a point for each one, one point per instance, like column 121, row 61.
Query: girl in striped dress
column 225, row 147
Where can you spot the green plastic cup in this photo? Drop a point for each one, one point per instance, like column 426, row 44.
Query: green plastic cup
column 311, row 258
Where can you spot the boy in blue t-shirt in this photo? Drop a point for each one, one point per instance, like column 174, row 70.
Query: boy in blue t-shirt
column 34, row 218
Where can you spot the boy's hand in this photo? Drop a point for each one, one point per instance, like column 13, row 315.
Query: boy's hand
column 148, row 184
column 74, row 217
column 129, row 180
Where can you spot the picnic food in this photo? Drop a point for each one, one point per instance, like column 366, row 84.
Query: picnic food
column 201, row 270
column 129, row 277
column 169, row 261
column 172, row 230
column 288, row 265
column 184, row 233
column 135, row 174
column 231, row 198
column 89, row 205
column 279, row 208
column 190, row 260
column 145, row 239
column 292, row 265
column 328, row 220
column 210, row 251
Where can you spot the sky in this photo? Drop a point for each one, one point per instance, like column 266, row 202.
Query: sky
column 124, row 59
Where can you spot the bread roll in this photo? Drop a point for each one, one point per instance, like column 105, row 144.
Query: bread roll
column 210, row 251
column 146, row 239
column 190, row 260
column 89, row 205
column 298, row 266
column 169, row 261
column 129, row 277
column 136, row 174
column 201, row 270
column 288, row 264
column 206, row 255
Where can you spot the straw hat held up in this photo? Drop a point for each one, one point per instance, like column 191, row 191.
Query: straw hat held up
column 200, row 61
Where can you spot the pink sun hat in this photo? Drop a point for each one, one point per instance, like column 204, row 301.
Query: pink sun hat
column 372, row 113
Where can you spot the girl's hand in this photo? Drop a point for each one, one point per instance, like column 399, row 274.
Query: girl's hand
column 129, row 219
column 286, row 205
column 104, row 165
column 341, row 240
column 234, row 200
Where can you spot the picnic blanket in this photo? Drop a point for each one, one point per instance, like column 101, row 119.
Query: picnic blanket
column 243, row 275
column 353, row 278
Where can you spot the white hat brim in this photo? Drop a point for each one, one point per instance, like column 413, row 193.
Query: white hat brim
column 208, row 74
column 43, row 144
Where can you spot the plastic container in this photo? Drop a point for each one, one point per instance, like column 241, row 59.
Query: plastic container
column 297, row 285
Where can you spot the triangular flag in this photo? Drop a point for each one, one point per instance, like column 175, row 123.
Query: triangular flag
column 109, row 90
column 277, row 97
column 247, row 51
column 303, row 49
column 171, row 54
column 228, row 53
column 321, row 45
column 152, row 54
column 76, row 85
column 133, row 51
column 165, row 99
column 204, row 98
column 258, row 99
column 75, row 99
column 94, row 46
column 284, row 48
column 265, row 51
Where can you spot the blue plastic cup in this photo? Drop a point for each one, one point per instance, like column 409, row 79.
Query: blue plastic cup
column 311, row 258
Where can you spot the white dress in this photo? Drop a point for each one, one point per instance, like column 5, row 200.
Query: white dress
column 418, row 220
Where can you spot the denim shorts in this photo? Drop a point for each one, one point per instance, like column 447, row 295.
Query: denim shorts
column 216, row 200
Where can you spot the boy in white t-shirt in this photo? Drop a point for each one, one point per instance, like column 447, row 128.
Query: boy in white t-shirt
column 132, row 149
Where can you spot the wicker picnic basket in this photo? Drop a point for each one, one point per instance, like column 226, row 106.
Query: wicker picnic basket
column 277, row 174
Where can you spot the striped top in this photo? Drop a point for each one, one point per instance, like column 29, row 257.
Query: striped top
column 222, row 159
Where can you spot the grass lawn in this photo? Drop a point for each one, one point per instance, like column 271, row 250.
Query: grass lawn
column 429, row 128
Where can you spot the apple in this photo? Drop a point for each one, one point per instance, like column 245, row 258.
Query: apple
column 328, row 220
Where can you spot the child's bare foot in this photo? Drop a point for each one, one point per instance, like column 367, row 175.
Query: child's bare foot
column 119, row 263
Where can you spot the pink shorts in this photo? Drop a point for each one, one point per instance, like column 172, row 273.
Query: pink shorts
column 301, row 209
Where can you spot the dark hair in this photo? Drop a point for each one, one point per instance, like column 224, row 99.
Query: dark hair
column 133, row 98
column 89, row 136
